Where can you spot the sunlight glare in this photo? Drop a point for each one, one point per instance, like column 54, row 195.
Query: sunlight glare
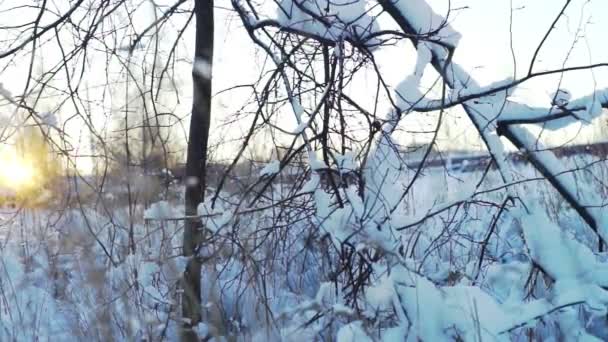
column 16, row 173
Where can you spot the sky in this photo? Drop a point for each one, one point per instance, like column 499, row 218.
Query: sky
column 493, row 37
column 489, row 29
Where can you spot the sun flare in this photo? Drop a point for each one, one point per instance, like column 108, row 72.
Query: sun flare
column 16, row 173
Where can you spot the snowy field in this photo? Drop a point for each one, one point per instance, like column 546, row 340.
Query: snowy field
column 67, row 274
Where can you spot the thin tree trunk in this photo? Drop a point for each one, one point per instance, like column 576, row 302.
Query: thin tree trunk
column 196, row 161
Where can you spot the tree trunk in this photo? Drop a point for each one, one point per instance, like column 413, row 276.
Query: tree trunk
column 196, row 161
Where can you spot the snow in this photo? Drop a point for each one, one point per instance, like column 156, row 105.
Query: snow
column 291, row 267
column 594, row 106
column 342, row 309
column 561, row 97
column 352, row 332
column 584, row 110
column 471, row 313
column 298, row 110
column 564, row 267
column 205, row 210
column 161, row 210
column 333, row 20
column 573, row 329
column 311, row 185
column 333, row 221
column 381, row 295
column 355, row 201
column 214, row 219
column 424, row 20
column 498, row 91
column 305, row 122
column 497, row 304
column 315, row 163
column 460, row 197
column 272, row 168
column 589, row 198
column 423, row 58
column 346, row 163
column 202, row 330
column 560, row 255
column 415, row 292
column 507, row 281
column 394, row 334
column 408, row 91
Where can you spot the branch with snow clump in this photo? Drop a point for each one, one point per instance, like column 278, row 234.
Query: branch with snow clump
column 584, row 109
column 333, row 20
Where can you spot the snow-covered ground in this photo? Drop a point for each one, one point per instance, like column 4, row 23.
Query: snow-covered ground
column 295, row 273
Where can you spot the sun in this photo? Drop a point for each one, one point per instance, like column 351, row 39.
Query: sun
column 16, row 173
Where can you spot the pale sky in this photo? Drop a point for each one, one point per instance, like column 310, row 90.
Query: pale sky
column 484, row 50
